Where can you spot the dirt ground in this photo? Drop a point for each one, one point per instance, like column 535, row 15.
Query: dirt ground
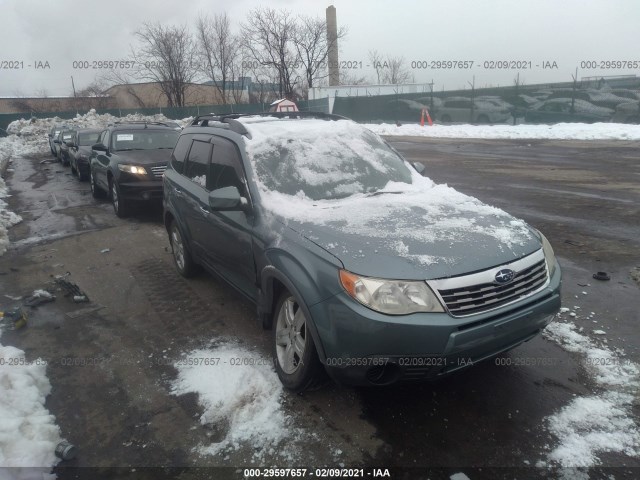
column 110, row 361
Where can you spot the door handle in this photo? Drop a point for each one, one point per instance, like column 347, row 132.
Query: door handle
column 178, row 192
column 204, row 210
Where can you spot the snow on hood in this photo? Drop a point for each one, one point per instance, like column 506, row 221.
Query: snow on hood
column 431, row 227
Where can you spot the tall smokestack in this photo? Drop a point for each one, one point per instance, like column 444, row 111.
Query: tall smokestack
column 332, row 40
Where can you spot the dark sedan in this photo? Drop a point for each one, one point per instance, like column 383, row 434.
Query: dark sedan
column 62, row 145
column 80, row 151
column 53, row 135
column 129, row 160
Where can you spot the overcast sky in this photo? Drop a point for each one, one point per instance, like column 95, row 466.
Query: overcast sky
column 537, row 31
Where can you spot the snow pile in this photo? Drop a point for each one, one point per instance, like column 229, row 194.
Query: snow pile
column 589, row 425
column 602, row 422
column 319, row 157
column 30, row 138
column 7, row 217
column 28, row 432
column 240, row 395
column 559, row 131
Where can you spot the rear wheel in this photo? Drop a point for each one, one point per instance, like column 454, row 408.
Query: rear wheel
column 181, row 256
column 295, row 354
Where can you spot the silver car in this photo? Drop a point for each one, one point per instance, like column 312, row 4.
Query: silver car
column 462, row 109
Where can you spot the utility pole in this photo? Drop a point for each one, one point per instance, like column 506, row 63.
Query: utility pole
column 73, row 86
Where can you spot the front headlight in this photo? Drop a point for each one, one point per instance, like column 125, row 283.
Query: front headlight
column 135, row 169
column 549, row 256
column 394, row 297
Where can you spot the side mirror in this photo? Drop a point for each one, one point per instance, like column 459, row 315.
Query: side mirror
column 99, row 147
column 419, row 167
column 227, row 198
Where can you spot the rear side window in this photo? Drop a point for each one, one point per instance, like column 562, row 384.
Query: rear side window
column 197, row 164
column 179, row 153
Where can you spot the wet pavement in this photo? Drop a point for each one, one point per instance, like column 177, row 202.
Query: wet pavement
column 110, row 361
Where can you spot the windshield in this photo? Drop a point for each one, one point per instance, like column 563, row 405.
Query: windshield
column 323, row 160
column 143, row 139
column 88, row 138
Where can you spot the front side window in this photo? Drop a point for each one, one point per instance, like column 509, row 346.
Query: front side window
column 226, row 166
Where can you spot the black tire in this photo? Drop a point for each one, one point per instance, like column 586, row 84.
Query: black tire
column 96, row 191
column 74, row 170
column 294, row 352
column 120, row 205
column 82, row 177
column 181, row 256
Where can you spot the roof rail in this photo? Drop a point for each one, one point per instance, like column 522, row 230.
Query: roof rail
column 230, row 120
column 223, row 121
column 138, row 122
column 318, row 115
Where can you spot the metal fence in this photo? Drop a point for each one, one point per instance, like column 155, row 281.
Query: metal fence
column 175, row 113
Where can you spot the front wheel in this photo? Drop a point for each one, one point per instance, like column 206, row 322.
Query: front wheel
column 96, row 191
column 295, row 355
column 120, row 206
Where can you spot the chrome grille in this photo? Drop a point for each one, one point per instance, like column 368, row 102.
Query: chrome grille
column 471, row 299
column 158, row 170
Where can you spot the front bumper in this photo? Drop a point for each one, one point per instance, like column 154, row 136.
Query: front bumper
column 141, row 190
column 363, row 347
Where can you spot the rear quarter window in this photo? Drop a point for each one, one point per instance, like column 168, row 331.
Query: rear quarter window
column 180, row 152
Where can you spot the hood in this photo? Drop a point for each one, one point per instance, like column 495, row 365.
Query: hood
column 144, row 157
column 414, row 235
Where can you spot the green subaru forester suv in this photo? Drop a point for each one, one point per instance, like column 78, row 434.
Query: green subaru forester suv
column 358, row 264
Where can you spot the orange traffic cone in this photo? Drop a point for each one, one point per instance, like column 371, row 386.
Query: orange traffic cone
column 429, row 118
column 422, row 118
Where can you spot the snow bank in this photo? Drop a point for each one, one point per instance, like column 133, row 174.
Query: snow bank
column 7, row 217
column 28, row 432
column 240, row 394
column 603, row 422
column 559, row 131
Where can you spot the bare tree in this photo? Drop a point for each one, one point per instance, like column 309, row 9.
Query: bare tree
column 218, row 51
column 347, row 77
column 312, row 46
column 125, row 81
column 167, row 56
column 268, row 37
column 94, row 95
column 376, row 61
column 394, row 71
